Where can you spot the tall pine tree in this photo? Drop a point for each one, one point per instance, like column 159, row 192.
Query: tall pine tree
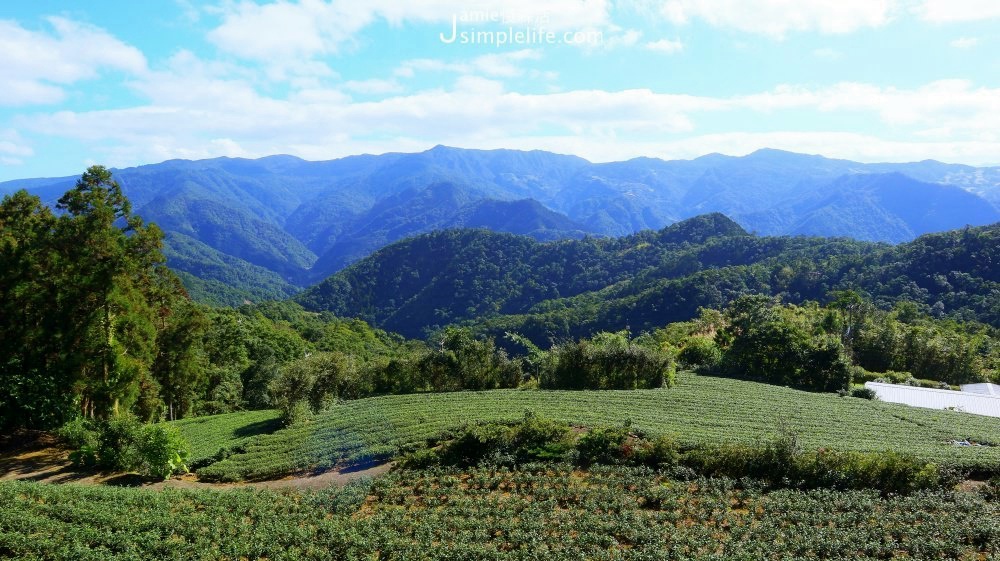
column 86, row 310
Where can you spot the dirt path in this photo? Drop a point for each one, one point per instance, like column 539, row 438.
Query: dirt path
column 333, row 478
column 50, row 464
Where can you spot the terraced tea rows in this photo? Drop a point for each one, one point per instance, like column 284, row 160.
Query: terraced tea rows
column 698, row 410
column 208, row 435
column 541, row 512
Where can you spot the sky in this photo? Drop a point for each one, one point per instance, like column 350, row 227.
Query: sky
column 131, row 83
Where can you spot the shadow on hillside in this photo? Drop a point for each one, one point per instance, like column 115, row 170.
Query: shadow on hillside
column 260, row 427
column 128, row 480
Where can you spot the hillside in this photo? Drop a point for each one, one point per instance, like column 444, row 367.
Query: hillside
column 306, row 220
column 457, row 275
column 571, row 288
column 697, row 410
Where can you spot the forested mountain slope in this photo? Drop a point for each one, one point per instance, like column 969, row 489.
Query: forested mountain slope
column 649, row 279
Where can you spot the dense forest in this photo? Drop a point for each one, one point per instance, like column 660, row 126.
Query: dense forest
column 548, row 291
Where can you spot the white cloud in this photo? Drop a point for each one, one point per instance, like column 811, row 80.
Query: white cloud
column 627, row 39
column 776, row 18
column 283, row 30
column 665, row 46
column 965, row 42
column 13, row 148
column 373, row 86
column 500, row 65
column 505, row 64
column 35, row 65
column 951, row 11
column 955, row 104
column 833, row 144
column 201, row 109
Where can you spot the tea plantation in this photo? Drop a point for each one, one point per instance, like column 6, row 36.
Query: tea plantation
column 698, row 410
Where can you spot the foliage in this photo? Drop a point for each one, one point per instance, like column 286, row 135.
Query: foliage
column 559, row 512
column 81, row 295
column 908, row 341
column 602, row 445
column 122, row 443
column 991, row 491
column 459, row 361
column 531, row 439
column 864, row 393
column 700, row 351
column 762, row 345
column 571, row 289
column 312, row 383
column 92, row 323
column 781, row 463
column 607, row 361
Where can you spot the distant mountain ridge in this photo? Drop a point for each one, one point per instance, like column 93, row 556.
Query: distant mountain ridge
column 303, row 221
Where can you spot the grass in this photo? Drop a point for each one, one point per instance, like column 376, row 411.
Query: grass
column 209, row 435
column 697, row 410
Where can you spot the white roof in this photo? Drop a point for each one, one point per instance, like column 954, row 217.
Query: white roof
column 969, row 402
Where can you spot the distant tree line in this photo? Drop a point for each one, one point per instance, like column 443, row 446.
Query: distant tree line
column 826, row 348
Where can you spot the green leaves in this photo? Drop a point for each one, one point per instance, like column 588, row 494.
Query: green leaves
column 122, row 443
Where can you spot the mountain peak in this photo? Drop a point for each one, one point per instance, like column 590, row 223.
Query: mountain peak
column 701, row 228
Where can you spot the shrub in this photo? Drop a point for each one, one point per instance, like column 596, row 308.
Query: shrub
column 781, row 465
column 864, row 393
column 660, row 452
column 532, row 439
column 700, row 351
column 122, row 443
column 419, row 459
column 310, row 384
column 607, row 361
column 77, row 433
column 602, row 445
column 161, row 451
column 991, row 491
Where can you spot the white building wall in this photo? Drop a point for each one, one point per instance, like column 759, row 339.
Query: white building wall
column 975, row 403
column 984, row 389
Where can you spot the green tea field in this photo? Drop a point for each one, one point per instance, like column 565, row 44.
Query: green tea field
column 697, row 410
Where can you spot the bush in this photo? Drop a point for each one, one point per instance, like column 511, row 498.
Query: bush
column 310, row 384
column 122, row 443
column 162, row 451
column 602, row 445
column 607, row 361
column 532, row 439
column 420, row 459
column 77, row 433
column 460, row 361
column 700, row 351
column 991, row 491
column 781, row 465
column 864, row 393
column 764, row 345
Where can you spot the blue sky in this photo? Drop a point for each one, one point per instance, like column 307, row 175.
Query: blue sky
column 132, row 83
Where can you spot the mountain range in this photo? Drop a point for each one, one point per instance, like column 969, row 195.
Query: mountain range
column 246, row 230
